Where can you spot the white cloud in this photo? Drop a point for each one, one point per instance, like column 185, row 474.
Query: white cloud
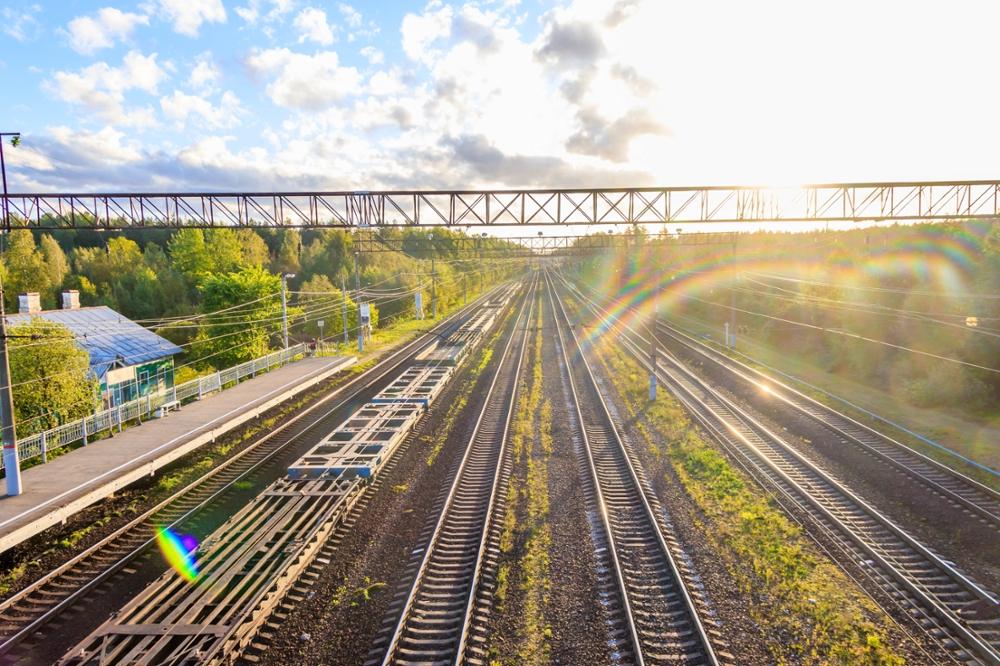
column 351, row 15
column 181, row 107
column 101, row 88
column 104, row 145
column 205, row 73
column 251, row 11
column 21, row 24
column 422, row 30
column 386, row 83
column 187, row 16
column 312, row 26
column 374, row 56
column 610, row 101
column 300, row 81
column 88, row 34
column 209, row 152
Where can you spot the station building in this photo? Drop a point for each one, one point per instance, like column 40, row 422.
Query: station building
column 128, row 360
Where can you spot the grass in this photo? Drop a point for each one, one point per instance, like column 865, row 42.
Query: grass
column 76, row 536
column 168, row 483
column 956, row 431
column 10, row 578
column 795, row 592
column 397, row 332
column 357, row 596
column 536, row 632
column 437, row 440
column 164, row 486
column 527, row 498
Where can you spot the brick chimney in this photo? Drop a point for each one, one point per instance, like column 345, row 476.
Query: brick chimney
column 71, row 299
column 29, row 303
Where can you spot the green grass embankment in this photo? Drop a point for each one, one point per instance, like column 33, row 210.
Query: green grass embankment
column 813, row 611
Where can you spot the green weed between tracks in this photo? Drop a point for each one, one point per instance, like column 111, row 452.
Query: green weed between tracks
column 441, row 434
column 357, row 596
column 813, row 611
column 390, row 336
column 528, row 498
column 164, row 486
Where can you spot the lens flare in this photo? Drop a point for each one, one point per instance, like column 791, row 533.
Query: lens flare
column 653, row 273
column 179, row 552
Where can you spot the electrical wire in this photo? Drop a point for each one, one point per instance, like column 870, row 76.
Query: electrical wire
column 835, row 306
column 917, row 292
column 848, row 334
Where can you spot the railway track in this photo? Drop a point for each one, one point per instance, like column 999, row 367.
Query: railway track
column 661, row 616
column 976, row 498
column 439, row 619
column 24, row 615
column 961, row 615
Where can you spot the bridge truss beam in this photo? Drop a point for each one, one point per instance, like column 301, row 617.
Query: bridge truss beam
column 845, row 202
column 529, row 246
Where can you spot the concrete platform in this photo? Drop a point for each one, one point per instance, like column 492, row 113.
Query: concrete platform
column 74, row 481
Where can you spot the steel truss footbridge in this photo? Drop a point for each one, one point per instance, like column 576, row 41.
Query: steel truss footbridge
column 828, row 203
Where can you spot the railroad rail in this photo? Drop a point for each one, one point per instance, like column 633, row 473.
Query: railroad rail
column 24, row 615
column 661, row 615
column 954, row 610
column 436, row 620
column 977, row 498
column 213, row 608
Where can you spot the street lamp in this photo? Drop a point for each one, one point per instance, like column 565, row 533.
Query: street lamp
column 15, row 140
column 434, row 297
column 12, row 466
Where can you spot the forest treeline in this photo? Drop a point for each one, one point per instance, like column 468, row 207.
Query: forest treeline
column 168, row 279
column 878, row 305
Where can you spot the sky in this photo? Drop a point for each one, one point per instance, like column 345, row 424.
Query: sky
column 271, row 95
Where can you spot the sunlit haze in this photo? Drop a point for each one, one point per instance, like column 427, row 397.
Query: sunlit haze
column 285, row 94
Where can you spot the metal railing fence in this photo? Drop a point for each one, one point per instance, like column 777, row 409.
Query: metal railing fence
column 107, row 420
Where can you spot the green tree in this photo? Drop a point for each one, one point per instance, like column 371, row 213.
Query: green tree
column 188, row 253
column 323, row 300
column 287, row 260
column 56, row 264
column 50, row 375
column 243, row 333
column 121, row 277
column 173, row 298
column 255, row 250
column 224, row 251
column 25, row 267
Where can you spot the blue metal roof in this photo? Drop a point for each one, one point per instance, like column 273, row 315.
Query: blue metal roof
column 111, row 339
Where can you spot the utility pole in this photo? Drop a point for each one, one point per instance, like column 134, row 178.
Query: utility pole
column 15, row 139
column 731, row 337
column 8, row 434
column 357, row 288
column 434, row 293
column 11, row 464
column 465, row 291
column 284, row 306
column 343, row 292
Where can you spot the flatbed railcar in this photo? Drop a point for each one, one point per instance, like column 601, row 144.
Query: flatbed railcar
column 362, row 444
column 418, row 384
